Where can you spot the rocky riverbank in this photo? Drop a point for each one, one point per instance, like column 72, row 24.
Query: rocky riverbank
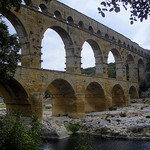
column 132, row 122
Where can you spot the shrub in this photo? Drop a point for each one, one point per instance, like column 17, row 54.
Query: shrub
column 122, row 114
column 14, row 134
column 73, row 127
column 136, row 130
column 112, row 108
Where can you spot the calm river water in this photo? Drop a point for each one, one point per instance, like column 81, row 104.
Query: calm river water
column 76, row 141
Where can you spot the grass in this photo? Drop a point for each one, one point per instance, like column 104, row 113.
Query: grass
column 2, row 105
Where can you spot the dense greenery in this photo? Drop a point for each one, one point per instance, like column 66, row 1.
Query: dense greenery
column 139, row 9
column 9, row 48
column 111, row 70
column 88, row 71
column 14, row 135
column 9, row 44
column 13, row 3
column 73, row 127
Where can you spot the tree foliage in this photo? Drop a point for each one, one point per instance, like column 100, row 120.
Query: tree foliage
column 111, row 70
column 15, row 136
column 139, row 9
column 7, row 4
column 9, row 44
column 9, row 48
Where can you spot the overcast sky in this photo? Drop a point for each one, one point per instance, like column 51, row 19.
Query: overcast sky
column 54, row 53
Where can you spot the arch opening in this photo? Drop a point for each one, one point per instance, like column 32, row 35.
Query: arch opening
column 91, row 58
column 43, row 8
column 57, row 14
column 70, row 20
column 56, row 54
column 118, row 65
column 81, row 24
column 111, row 66
column 118, row 98
column 18, row 27
column 133, row 93
column 15, row 97
column 63, row 98
column 94, row 98
column 91, row 29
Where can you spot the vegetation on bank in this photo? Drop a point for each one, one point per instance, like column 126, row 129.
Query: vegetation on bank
column 111, row 70
column 17, row 136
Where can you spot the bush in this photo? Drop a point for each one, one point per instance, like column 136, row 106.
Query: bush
column 74, row 127
column 122, row 114
column 112, row 108
column 14, row 134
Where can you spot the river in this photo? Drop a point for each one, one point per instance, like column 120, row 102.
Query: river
column 75, row 142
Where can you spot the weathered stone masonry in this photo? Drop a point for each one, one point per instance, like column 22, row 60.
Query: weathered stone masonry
column 72, row 94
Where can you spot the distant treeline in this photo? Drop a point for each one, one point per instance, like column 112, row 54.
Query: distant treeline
column 111, row 70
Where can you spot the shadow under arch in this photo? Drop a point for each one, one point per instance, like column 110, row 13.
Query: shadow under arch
column 95, row 98
column 97, row 55
column 68, row 45
column 118, row 98
column 118, row 63
column 15, row 97
column 133, row 92
column 63, row 98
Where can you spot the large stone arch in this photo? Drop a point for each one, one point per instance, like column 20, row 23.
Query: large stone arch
column 98, row 56
column 68, row 45
column 130, row 68
column 95, row 98
column 118, row 63
column 15, row 97
column 22, row 33
column 63, row 98
column 140, row 70
column 133, row 93
column 118, row 98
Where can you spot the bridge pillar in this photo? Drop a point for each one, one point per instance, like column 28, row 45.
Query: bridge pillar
column 37, row 104
column 120, row 71
column 127, row 99
column 105, row 70
column 80, row 106
column 132, row 73
column 108, row 101
column 73, row 62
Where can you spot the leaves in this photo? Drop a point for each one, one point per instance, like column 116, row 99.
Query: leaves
column 9, row 48
column 138, row 9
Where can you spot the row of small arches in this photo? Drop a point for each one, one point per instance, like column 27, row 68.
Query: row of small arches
column 69, row 20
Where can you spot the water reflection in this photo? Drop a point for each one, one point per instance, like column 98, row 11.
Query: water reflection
column 75, row 142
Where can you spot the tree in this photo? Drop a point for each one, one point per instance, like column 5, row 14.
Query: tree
column 139, row 9
column 9, row 48
column 9, row 44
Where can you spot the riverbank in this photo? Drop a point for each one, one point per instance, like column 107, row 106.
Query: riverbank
column 132, row 122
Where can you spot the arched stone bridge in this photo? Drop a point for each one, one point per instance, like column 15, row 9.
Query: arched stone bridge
column 72, row 93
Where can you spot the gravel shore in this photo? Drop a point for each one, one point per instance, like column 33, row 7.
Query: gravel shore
column 132, row 122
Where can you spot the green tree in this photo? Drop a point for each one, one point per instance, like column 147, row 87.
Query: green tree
column 15, row 136
column 112, row 70
column 9, row 44
column 9, row 48
column 139, row 9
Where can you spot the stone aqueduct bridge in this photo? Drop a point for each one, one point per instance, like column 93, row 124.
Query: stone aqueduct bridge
column 72, row 93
